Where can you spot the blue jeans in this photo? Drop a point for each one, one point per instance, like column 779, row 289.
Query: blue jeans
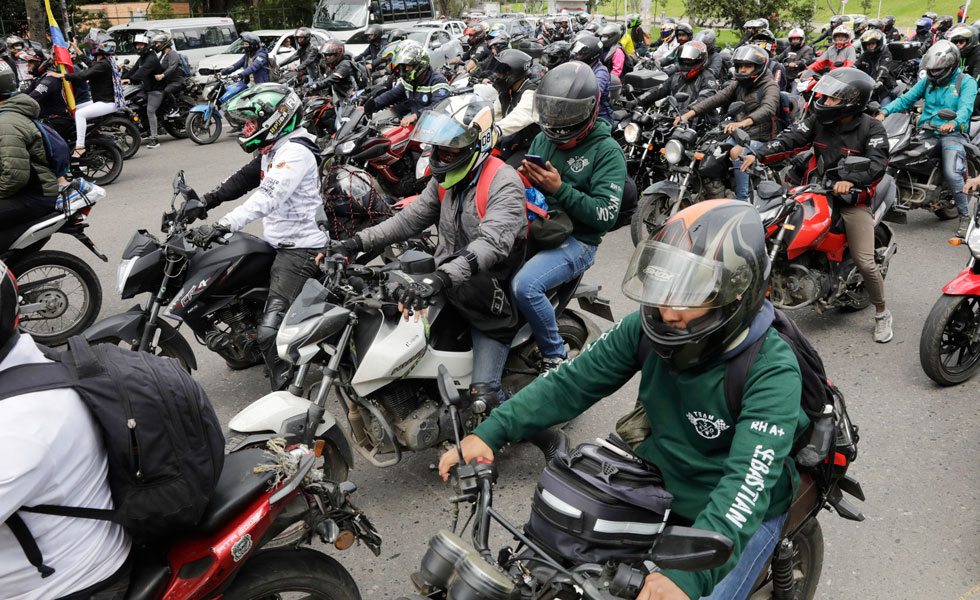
column 546, row 270
column 742, row 179
column 737, row 585
column 954, row 170
column 489, row 357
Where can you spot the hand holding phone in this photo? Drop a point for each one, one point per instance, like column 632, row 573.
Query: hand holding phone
column 535, row 160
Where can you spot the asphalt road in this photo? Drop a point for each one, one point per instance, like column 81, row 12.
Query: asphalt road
column 919, row 445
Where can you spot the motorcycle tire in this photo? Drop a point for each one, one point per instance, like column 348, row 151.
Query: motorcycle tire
column 311, row 574
column 951, row 330
column 947, row 212
column 102, row 162
column 164, row 348
column 652, row 211
column 203, row 132
column 125, row 133
column 334, row 467
column 808, row 557
column 175, row 129
column 55, row 295
column 520, row 369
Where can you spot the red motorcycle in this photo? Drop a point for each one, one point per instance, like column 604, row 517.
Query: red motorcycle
column 808, row 250
column 949, row 348
column 248, row 545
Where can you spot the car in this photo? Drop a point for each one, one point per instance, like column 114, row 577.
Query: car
column 273, row 40
column 518, row 28
column 442, row 47
column 453, row 28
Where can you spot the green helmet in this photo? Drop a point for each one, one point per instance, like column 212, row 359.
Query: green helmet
column 411, row 63
column 634, row 21
column 270, row 111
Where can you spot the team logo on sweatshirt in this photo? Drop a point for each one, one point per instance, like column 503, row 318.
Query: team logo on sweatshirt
column 577, row 163
column 706, row 425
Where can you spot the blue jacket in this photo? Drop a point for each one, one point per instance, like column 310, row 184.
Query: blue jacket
column 254, row 66
column 602, row 76
column 938, row 98
column 408, row 99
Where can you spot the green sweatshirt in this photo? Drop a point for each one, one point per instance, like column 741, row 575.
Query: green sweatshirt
column 592, row 177
column 726, row 476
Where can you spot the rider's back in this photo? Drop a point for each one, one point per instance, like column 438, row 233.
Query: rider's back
column 23, row 166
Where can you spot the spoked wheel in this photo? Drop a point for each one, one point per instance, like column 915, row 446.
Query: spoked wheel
column 102, row 162
column 287, row 574
column 124, row 133
column 949, row 349
column 203, row 131
column 61, row 296
column 652, row 211
column 807, row 564
column 522, row 364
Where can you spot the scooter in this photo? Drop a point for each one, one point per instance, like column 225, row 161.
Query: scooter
column 949, row 347
column 383, row 366
column 203, row 123
column 808, row 250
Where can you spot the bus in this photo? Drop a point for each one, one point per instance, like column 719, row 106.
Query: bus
column 347, row 19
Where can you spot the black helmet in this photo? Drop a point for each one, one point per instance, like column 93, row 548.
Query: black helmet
column 708, row 37
column 352, row 200
column 850, row 85
column 711, row 255
column 940, row 62
column 609, row 36
column 754, row 25
column 397, row 35
column 556, row 53
column 753, row 55
column 944, row 23
column 587, row 49
column 967, row 36
column 876, row 24
column 332, row 52
column 932, row 16
column 161, row 41
column 860, row 24
column 873, row 36
column 592, row 27
column 8, row 81
column 889, row 20
column 566, row 104
column 683, row 29
column 691, row 58
column 374, row 33
column 508, row 68
column 302, row 35
column 500, row 41
column 835, row 22
column 765, row 40
column 9, row 306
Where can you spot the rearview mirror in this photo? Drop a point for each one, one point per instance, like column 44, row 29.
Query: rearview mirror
column 179, row 181
column 434, row 45
column 947, row 114
column 742, row 137
column 447, row 388
column 193, row 210
column 735, row 107
column 689, row 549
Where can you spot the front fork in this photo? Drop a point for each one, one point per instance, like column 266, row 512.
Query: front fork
column 153, row 310
column 314, row 414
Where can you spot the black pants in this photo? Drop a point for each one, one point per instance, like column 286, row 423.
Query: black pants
column 23, row 208
column 290, row 270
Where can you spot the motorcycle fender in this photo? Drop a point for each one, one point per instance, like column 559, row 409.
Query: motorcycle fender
column 128, row 326
column 281, row 412
column 967, row 283
column 202, row 108
column 590, row 301
column 665, row 187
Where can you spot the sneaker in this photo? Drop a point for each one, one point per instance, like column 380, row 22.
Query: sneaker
column 154, row 143
column 963, row 225
column 883, row 327
column 550, row 362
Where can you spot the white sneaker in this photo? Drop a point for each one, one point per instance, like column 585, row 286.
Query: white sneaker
column 883, row 327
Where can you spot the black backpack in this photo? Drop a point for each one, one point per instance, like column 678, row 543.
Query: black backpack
column 164, row 442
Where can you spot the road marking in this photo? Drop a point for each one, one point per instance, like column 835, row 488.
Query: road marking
column 973, row 592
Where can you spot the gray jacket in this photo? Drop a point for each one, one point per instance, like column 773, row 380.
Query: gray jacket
column 171, row 67
column 762, row 113
column 489, row 240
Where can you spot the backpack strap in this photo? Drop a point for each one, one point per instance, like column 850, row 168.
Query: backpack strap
column 28, row 544
column 737, row 373
column 490, row 168
column 311, row 146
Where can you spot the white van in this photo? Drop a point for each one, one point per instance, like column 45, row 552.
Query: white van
column 194, row 38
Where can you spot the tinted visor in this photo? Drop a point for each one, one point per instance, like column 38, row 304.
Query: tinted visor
column 828, row 86
column 553, row 111
column 439, row 129
column 663, row 275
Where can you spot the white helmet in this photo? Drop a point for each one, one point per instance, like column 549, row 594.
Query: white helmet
column 842, row 30
column 796, row 33
column 141, row 38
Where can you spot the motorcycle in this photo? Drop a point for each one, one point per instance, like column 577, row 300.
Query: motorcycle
column 949, row 347
column 915, row 163
column 453, row 567
column 808, row 250
column 383, row 366
column 102, row 162
column 203, row 124
column 60, row 294
column 173, row 119
column 256, row 534
column 220, row 292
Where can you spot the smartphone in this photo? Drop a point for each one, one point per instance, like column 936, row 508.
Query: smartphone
column 535, row 159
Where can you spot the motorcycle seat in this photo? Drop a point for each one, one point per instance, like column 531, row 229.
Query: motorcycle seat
column 803, row 504
column 238, row 486
column 8, row 235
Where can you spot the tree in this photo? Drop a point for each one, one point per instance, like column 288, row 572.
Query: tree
column 38, row 20
column 161, row 9
column 737, row 12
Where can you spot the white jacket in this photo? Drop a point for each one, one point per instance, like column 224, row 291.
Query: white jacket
column 666, row 48
column 520, row 116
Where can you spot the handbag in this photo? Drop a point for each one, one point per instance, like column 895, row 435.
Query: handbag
column 552, row 231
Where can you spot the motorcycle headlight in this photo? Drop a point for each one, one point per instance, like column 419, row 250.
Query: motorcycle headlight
column 973, row 240
column 347, row 147
column 673, row 152
column 123, row 271
column 631, row 133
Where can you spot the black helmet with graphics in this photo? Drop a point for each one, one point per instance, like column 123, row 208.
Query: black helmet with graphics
column 269, row 111
column 711, row 255
column 556, row 53
column 754, row 56
column 302, row 36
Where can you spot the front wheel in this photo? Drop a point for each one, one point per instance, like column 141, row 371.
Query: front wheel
column 949, row 348
column 203, row 131
column 102, row 162
column 652, row 211
column 64, row 292
column 287, row 573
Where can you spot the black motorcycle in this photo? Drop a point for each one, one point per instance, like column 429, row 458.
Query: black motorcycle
column 172, row 118
column 102, row 161
column 220, row 292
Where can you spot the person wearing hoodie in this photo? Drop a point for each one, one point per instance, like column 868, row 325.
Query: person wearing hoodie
column 692, row 327
column 28, row 186
column 584, row 174
column 944, row 86
column 285, row 170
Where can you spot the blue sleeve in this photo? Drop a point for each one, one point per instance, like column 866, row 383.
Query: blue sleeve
column 261, row 59
column 234, row 67
column 602, row 77
column 968, row 94
column 395, row 94
column 906, row 100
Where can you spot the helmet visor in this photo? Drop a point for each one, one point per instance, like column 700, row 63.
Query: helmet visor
column 829, row 86
column 558, row 112
column 663, row 275
column 440, row 129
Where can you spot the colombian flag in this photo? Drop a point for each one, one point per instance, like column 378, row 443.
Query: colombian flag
column 62, row 57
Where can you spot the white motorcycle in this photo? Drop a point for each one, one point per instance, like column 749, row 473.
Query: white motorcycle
column 385, row 368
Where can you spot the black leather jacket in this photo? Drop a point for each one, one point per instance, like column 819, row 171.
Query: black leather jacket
column 340, row 79
column 879, row 67
column 309, row 60
column 704, row 82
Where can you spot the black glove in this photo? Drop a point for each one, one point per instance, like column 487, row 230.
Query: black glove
column 210, row 200
column 369, row 107
column 419, row 295
column 205, row 234
column 348, row 248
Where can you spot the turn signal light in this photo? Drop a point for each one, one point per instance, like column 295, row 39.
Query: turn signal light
column 699, row 156
column 956, row 241
column 318, row 448
column 345, row 540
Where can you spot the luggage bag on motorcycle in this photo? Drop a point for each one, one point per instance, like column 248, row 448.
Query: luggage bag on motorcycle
column 596, row 504
column 903, row 51
column 164, row 443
